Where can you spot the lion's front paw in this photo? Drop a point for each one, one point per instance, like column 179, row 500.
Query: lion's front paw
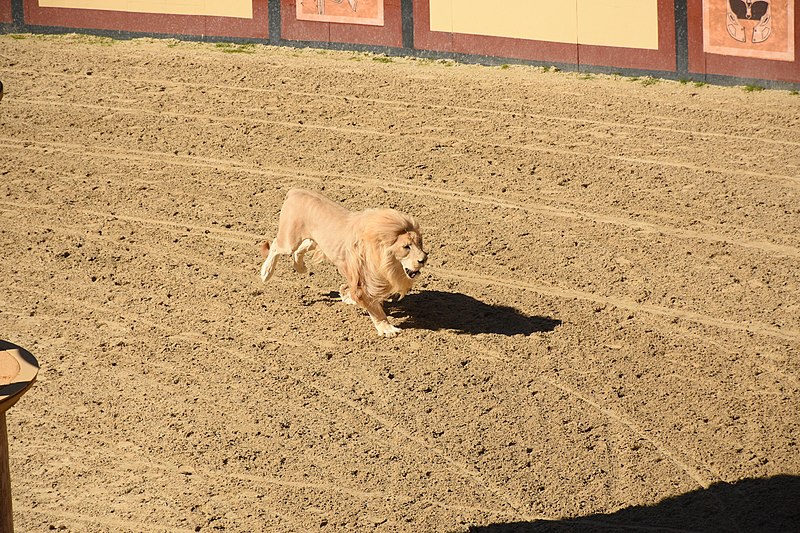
column 300, row 267
column 344, row 294
column 386, row 330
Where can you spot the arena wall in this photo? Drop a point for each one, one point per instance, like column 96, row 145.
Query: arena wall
column 717, row 41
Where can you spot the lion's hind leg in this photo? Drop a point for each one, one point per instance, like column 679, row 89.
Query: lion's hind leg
column 271, row 253
column 298, row 255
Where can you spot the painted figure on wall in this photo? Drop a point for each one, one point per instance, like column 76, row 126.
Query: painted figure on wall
column 321, row 5
column 747, row 11
column 762, row 29
column 347, row 12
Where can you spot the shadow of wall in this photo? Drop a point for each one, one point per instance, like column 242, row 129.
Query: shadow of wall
column 770, row 505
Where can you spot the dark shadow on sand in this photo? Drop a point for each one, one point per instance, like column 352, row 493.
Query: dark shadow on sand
column 770, row 505
column 437, row 310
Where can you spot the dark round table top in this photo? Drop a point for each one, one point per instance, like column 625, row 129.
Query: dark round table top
column 18, row 369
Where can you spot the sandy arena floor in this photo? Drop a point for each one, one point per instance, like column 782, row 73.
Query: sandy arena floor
column 607, row 336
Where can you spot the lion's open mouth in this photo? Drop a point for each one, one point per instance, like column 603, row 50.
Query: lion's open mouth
column 412, row 273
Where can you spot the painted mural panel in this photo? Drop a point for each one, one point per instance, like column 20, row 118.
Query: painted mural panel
column 343, row 11
column 761, row 29
column 214, row 8
column 619, row 23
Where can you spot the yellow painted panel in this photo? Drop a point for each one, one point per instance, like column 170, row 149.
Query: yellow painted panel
column 541, row 20
column 622, row 23
column 441, row 15
column 214, row 8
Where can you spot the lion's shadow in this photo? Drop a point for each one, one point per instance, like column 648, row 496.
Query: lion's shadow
column 437, row 310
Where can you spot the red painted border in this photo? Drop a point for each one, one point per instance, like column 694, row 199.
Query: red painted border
column 742, row 67
column 6, row 15
column 661, row 59
column 255, row 28
column 694, row 14
column 390, row 34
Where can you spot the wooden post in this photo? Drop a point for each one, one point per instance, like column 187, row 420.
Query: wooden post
column 18, row 369
column 6, row 513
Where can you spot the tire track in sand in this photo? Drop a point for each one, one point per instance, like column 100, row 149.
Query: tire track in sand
column 694, row 472
column 410, row 103
column 752, row 327
column 283, row 173
column 459, row 467
column 704, row 480
column 114, row 524
column 134, row 460
column 575, row 214
column 354, row 130
column 395, row 428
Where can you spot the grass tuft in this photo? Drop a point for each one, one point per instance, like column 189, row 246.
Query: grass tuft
column 234, row 48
